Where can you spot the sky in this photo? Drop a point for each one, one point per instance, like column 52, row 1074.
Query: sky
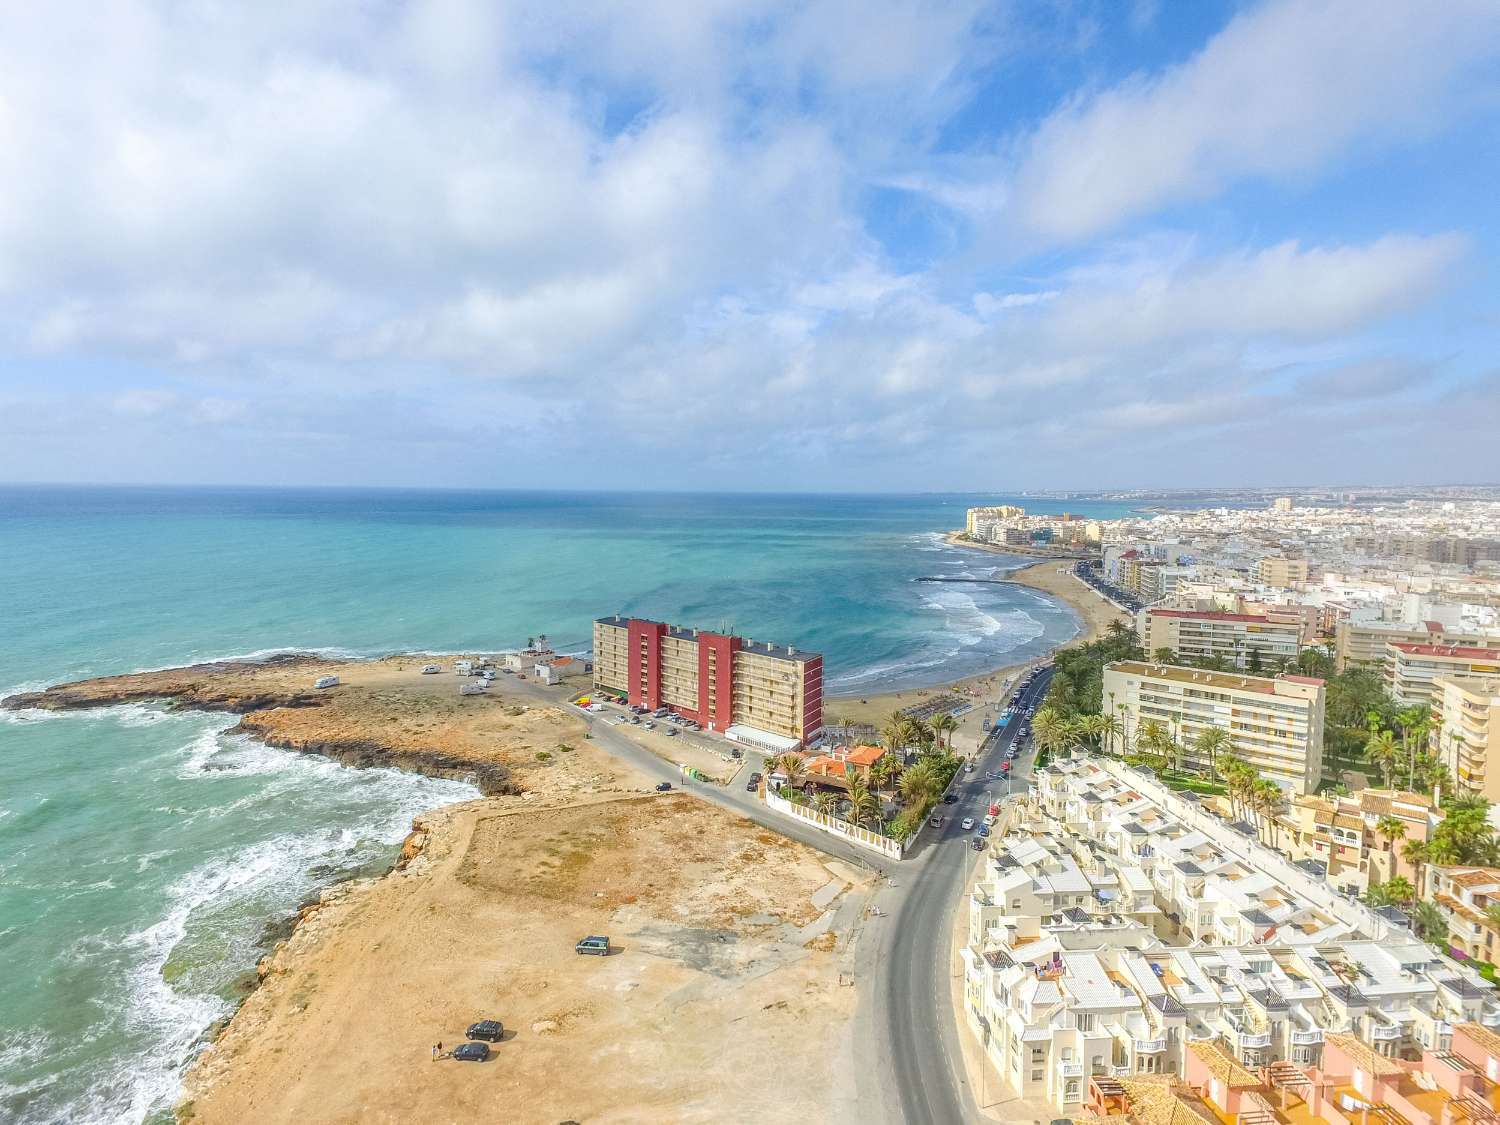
column 818, row 245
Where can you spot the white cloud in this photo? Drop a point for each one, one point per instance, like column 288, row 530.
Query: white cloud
column 1285, row 88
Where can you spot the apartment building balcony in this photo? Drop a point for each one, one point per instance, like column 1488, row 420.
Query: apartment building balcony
column 1150, row 1046
column 1385, row 1032
column 1307, row 1038
column 1070, row 1068
column 1254, row 1040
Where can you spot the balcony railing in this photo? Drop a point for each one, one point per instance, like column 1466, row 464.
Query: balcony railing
column 1252, row 1039
column 1307, row 1038
column 1150, row 1046
column 1069, row 1068
column 1385, row 1032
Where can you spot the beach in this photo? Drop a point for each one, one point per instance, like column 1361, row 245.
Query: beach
column 1052, row 578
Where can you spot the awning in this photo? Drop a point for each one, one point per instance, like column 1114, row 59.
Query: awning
column 739, row 732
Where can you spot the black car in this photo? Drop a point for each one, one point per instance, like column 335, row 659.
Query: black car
column 486, row 1029
column 663, row 786
column 752, row 785
column 471, row 1052
column 951, row 799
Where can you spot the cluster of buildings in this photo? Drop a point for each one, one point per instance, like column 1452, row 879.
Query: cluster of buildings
column 1130, row 952
column 766, row 695
column 1006, row 525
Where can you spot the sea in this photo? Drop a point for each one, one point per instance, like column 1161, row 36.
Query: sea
column 149, row 858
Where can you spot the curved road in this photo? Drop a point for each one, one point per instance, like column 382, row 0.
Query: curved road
column 906, row 1033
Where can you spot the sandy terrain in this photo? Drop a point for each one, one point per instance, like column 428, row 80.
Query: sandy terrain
column 723, row 1002
column 1051, row 578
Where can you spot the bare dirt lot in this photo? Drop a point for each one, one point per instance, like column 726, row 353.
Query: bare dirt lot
column 722, row 1002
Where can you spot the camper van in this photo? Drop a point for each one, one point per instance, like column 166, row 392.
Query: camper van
column 325, row 682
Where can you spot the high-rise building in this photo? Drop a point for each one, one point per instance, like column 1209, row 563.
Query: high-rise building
column 764, row 694
column 1274, row 570
column 1411, row 669
column 1465, row 733
column 1242, row 639
column 1282, row 504
column 1274, row 724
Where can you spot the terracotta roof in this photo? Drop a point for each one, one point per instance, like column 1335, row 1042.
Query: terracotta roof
column 1208, row 614
column 1475, row 876
column 1462, row 652
column 865, row 755
column 1223, row 1065
column 1362, row 1055
column 1481, row 1035
column 1157, row 1100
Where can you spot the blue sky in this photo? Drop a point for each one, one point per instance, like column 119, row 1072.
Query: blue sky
column 750, row 243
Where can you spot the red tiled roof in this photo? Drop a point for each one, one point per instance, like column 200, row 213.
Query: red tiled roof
column 1461, row 651
column 1208, row 614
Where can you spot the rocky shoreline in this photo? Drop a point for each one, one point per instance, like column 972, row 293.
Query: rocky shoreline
column 268, row 710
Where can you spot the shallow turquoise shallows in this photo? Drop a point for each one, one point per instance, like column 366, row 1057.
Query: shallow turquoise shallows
column 143, row 855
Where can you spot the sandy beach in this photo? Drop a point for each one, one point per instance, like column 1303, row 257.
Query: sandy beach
column 1051, row 577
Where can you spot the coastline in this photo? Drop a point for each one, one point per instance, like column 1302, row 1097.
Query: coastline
column 1049, row 577
column 281, row 711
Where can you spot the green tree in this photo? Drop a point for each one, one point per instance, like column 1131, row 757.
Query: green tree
column 1163, row 656
column 943, row 726
column 1383, row 752
column 1428, row 921
column 1209, row 743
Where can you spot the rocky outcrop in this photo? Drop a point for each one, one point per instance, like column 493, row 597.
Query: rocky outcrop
column 199, row 687
column 490, row 778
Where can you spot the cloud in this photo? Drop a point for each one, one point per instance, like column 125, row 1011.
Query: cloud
column 1285, row 88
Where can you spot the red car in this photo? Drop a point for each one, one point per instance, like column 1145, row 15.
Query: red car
column 1005, row 767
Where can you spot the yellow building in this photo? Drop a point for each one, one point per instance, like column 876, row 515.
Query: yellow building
column 1273, row 570
column 976, row 516
column 1466, row 730
column 1274, row 724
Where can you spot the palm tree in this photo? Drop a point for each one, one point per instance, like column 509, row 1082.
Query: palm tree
column 1092, row 727
column 863, row 805
column 897, row 733
column 825, row 803
column 1398, row 889
column 1210, row 742
column 1429, row 922
column 1050, row 730
column 921, row 733
column 1393, row 829
column 789, row 764
column 885, row 770
column 943, row 726
column 1381, row 749
column 1268, row 799
column 1110, row 729
column 918, row 784
column 1416, row 853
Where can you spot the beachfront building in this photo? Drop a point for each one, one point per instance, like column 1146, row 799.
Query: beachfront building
column 1119, row 933
column 1411, row 670
column 1273, row 723
column 1346, row 835
column 1245, row 640
column 766, row 695
column 1465, row 732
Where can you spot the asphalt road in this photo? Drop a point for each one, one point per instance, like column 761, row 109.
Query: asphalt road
column 907, row 1024
column 914, row 1007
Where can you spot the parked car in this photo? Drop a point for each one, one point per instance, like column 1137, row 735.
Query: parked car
column 968, row 823
column 752, row 785
column 673, row 732
column 663, row 786
column 736, row 752
column 471, row 1052
column 950, row 798
column 977, row 845
column 755, row 776
column 984, row 830
column 489, row 1030
column 935, row 820
column 649, row 724
column 596, row 944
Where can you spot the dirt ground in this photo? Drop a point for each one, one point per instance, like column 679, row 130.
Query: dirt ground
column 722, row 1002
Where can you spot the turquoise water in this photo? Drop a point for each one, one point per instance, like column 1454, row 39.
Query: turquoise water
column 143, row 854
